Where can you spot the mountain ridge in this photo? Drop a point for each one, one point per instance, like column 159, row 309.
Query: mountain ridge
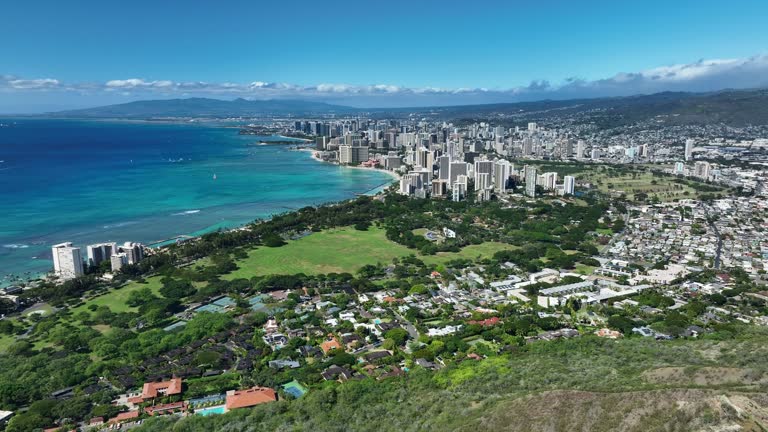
column 733, row 107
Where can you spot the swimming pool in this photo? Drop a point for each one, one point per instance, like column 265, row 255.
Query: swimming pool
column 221, row 409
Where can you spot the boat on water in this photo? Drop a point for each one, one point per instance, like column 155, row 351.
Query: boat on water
column 214, row 176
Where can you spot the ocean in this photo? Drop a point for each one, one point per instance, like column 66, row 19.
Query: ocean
column 96, row 181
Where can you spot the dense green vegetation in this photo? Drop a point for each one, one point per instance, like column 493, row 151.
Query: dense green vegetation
column 478, row 394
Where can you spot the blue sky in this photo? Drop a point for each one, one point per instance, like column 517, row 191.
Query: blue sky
column 373, row 53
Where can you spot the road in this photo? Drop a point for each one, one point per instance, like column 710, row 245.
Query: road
column 719, row 238
column 410, row 328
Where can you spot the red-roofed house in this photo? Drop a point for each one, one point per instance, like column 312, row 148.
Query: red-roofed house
column 249, row 397
column 152, row 390
column 331, row 343
column 124, row 417
column 165, row 408
column 486, row 322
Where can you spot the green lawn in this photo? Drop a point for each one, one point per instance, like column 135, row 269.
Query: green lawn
column 643, row 182
column 486, row 249
column 332, row 251
column 341, row 250
column 116, row 298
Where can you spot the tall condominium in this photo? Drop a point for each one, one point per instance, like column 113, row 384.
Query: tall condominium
column 133, row 251
column 100, row 252
column 502, row 171
column 67, row 261
column 456, row 169
column 483, row 168
column 569, row 183
column 444, row 167
column 580, row 147
column 530, row 181
column 701, row 169
column 547, row 180
column 349, row 154
column 689, row 149
column 118, row 260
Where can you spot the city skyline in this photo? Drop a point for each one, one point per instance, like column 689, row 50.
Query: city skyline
column 365, row 56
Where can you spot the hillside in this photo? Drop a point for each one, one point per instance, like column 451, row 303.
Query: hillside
column 586, row 384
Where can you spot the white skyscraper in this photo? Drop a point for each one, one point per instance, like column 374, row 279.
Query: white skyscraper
column 530, row 181
column 456, row 169
column 118, row 260
column 580, row 148
column 701, row 170
column 547, row 180
column 569, row 182
column 483, row 167
column 67, row 261
column 502, row 171
column 100, row 252
column 688, row 149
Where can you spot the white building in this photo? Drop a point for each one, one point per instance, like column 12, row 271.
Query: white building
column 688, row 149
column 530, row 181
column 569, row 183
column 67, row 261
column 118, row 260
column 502, row 171
column 100, row 252
column 352, row 154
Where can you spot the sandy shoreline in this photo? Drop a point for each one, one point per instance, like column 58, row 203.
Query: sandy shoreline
column 313, row 154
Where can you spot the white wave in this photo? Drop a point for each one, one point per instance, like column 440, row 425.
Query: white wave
column 15, row 246
column 188, row 212
column 118, row 225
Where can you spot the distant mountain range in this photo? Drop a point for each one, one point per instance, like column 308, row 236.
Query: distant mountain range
column 204, row 107
column 734, row 107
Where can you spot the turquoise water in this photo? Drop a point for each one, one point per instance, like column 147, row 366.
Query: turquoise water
column 211, row 410
column 94, row 181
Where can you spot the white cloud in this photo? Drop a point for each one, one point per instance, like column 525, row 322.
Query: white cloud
column 33, row 84
column 702, row 75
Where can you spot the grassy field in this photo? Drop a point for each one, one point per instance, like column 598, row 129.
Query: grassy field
column 341, row 250
column 640, row 182
column 470, row 252
column 116, row 298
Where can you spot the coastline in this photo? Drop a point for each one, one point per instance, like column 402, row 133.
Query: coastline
column 313, row 153
column 25, row 255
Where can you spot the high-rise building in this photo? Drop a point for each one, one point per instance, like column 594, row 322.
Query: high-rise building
column 118, row 261
column 679, row 168
column 100, row 252
column 701, row 169
column 456, row 169
column 444, row 167
column 547, row 180
column 133, row 251
column 530, row 181
column 351, row 154
column 410, row 183
column 483, row 167
column 459, row 188
column 67, row 261
column 580, row 148
column 482, row 181
column 502, row 171
column 688, row 149
column 439, row 188
column 569, row 183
